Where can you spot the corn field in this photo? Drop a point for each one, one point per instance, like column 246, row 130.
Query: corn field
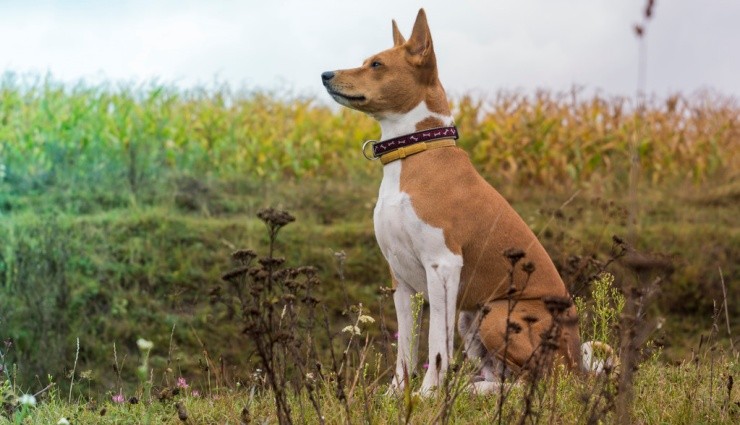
column 56, row 134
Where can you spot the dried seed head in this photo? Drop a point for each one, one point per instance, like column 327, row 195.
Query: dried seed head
column 232, row 275
column 271, row 262
column 308, row 271
column 259, row 274
column 514, row 255
column 528, row 267
column 256, row 288
column 310, row 301
column 275, row 218
column 548, row 342
column 280, row 274
column 557, row 305
column 243, row 255
column 515, row 327
column 386, row 291
column 530, row 319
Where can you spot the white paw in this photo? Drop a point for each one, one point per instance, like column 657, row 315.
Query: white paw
column 431, row 381
column 396, row 387
column 485, row 387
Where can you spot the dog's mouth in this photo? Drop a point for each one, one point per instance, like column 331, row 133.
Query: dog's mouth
column 346, row 96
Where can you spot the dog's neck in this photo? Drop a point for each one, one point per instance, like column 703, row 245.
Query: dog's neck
column 421, row 117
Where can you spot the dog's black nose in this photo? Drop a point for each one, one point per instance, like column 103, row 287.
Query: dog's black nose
column 326, row 76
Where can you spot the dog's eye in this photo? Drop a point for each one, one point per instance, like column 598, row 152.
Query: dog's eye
column 375, row 64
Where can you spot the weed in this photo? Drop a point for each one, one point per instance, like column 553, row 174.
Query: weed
column 278, row 309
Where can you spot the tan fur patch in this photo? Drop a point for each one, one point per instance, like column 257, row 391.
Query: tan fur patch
column 448, row 193
column 429, row 122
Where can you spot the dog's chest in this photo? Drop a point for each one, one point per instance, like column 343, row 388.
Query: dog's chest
column 408, row 243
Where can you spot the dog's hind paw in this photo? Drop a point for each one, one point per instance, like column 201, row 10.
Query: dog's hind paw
column 484, row 387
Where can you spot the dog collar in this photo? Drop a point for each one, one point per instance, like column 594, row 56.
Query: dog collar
column 410, row 144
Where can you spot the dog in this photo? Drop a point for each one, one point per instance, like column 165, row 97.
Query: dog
column 443, row 229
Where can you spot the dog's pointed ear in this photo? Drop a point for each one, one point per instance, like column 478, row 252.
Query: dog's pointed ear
column 398, row 39
column 420, row 45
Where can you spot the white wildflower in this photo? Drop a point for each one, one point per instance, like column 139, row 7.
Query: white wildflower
column 352, row 329
column 366, row 319
column 144, row 345
column 27, row 400
column 63, row 421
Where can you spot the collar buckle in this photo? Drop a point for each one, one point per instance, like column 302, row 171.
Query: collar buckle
column 372, row 156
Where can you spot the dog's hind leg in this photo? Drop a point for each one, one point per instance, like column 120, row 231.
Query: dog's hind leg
column 468, row 324
column 521, row 346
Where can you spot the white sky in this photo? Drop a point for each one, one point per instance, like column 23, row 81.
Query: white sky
column 482, row 46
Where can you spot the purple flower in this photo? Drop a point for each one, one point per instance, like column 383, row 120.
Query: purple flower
column 426, row 366
column 195, row 393
column 182, row 383
column 395, row 335
column 118, row 398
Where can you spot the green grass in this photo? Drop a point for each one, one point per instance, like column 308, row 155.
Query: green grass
column 119, row 207
column 685, row 394
column 136, row 272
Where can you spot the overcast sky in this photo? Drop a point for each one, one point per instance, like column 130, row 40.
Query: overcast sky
column 482, row 46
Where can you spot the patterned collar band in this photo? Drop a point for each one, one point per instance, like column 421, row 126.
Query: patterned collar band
column 384, row 147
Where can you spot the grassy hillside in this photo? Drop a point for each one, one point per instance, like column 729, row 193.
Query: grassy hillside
column 120, row 206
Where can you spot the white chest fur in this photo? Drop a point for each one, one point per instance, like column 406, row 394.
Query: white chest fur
column 410, row 245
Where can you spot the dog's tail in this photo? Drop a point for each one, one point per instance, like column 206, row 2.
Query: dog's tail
column 598, row 357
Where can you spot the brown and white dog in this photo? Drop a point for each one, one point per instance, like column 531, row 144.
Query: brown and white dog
column 443, row 229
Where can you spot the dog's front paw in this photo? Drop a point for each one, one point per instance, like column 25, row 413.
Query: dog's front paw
column 396, row 387
column 431, row 381
column 426, row 391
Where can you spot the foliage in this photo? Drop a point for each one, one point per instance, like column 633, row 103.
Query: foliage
column 605, row 311
column 276, row 305
column 693, row 395
column 119, row 205
column 99, row 137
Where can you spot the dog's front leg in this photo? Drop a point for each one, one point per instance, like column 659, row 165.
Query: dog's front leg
column 443, row 282
column 408, row 335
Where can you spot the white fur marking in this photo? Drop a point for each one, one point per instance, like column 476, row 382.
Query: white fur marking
column 393, row 125
column 592, row 362
column 420, row 261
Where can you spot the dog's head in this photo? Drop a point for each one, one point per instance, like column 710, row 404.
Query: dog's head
column 394, row 80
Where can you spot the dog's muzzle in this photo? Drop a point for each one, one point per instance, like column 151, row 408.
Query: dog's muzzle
column 327, row 76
